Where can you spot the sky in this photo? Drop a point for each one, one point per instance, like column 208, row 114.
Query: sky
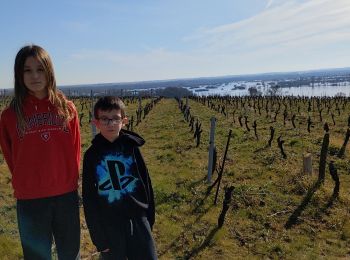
column 105, row 41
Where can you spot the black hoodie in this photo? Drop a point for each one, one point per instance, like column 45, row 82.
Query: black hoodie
column 116, row 184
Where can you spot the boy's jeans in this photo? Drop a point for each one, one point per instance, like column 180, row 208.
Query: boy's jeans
column 130, row 239
column 41, row 220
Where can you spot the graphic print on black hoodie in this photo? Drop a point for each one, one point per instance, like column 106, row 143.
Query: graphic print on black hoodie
column 115, row 175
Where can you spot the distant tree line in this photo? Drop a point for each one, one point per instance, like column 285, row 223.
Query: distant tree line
column 173, row 92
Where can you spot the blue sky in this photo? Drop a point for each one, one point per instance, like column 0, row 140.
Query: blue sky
column 103, row 41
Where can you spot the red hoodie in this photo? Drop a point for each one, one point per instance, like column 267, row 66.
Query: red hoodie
column 44, row 161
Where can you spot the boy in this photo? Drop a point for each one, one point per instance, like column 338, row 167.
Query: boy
column 117, row 190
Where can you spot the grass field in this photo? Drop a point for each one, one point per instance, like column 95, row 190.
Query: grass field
column 267, row 187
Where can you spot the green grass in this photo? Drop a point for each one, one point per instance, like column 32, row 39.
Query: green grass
column 9, row 238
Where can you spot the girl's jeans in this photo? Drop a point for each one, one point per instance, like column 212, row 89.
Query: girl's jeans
column 42, row 220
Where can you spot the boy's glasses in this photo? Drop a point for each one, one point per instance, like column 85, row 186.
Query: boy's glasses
column 106, row 120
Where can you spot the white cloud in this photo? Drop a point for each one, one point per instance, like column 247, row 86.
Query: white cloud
column 291, row 22
column 269, row 3
column 287, row 35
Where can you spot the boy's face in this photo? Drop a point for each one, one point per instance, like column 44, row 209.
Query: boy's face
column 110, row 123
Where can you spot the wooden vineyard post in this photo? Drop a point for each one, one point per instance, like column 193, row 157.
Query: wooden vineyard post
column 81, row 116
column 307, row 163
column 93, row 127
column 323, row 155
column 139, row 111
column 255, row 132
column 222, row 166
column 280, row 145
column 186, row 104
column 211, row 147
column 272, row 132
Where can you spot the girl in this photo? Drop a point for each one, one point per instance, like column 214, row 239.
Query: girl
column 40, row 140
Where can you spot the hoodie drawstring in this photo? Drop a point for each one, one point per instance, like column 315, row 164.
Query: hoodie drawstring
column 131, row 228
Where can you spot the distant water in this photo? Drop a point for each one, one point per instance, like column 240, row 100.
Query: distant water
column 241, row 89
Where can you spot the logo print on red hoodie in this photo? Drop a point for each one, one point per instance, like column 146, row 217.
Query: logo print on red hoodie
column 45, row 136
column 42, row 119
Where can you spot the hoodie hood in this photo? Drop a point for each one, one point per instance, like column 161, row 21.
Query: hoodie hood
column 124, row 136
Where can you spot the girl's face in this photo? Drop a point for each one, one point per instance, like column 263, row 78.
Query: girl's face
column 34, row 78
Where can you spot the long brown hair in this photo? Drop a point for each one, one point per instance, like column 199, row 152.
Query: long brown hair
column 55, row 96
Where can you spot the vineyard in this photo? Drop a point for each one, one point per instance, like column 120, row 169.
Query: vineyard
column 269, row 204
